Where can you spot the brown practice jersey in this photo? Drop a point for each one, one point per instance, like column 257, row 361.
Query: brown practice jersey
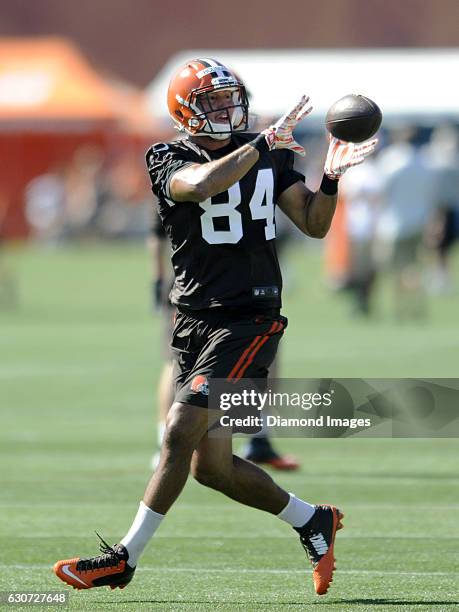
column 223, row 249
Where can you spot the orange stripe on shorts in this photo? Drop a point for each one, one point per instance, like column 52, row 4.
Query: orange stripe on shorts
column 254, row 347
column 242, row 357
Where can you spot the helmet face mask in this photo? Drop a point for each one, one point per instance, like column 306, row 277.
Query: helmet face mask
column 221, row 120
column 206, row 99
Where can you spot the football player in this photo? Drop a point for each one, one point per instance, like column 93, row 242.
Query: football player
column 217, row 189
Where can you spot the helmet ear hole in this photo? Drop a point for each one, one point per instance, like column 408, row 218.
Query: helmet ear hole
column 179, row 114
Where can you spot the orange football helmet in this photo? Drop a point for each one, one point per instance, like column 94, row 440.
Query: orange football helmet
column 190, row 105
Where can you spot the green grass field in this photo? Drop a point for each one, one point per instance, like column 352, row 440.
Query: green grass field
column 80, row 361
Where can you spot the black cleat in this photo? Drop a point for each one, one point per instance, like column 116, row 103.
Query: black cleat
column 318, row 540
column 108, row 569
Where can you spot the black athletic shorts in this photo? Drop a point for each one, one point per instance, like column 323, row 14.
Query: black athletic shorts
column 222, row 343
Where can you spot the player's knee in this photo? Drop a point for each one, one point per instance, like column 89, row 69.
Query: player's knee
column 185, row 427
column 209, row 475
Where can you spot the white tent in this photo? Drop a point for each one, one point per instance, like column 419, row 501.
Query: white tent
column 408, row 84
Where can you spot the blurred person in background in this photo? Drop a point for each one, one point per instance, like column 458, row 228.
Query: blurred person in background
column 124, row 209
column 162, row 282
column 89, row 196
column 409, row 194
column 259, row 449
column 45, row 204
column 362, row 195
column 442, row 156
column 63, row 202
column 84, row 184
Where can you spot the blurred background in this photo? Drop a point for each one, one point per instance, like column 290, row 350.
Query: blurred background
column 78, row 110
column 82, row 322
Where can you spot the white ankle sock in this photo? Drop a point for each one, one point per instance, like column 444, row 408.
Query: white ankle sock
column 144, row 526
column 297, row 512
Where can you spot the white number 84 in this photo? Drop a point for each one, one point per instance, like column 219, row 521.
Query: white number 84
column 264, row 187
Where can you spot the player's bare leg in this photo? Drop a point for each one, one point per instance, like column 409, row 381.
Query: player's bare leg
column 215, row 466
column 186, row 426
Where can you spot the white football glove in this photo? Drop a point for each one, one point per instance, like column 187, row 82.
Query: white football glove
column 279, row 135
column 343, row 155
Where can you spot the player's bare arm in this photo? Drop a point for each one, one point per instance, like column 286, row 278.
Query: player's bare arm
column 199, row 182
column 312, row 213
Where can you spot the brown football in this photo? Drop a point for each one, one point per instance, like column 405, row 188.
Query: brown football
column 354, row 118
